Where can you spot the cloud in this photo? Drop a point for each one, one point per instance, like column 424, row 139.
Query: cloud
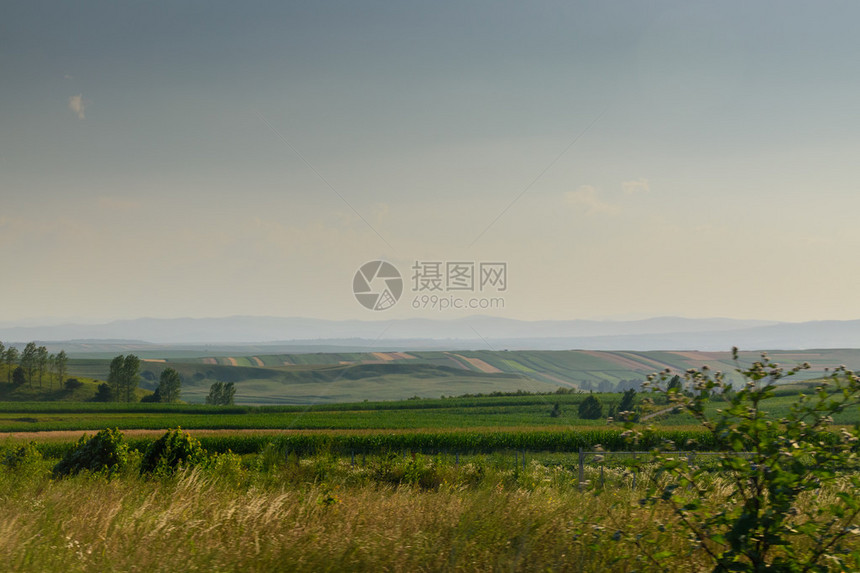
column 586, row 196
column 76, row 104
column 635, row 186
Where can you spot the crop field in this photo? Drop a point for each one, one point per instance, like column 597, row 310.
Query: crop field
column 311, row 378
column 490, row 411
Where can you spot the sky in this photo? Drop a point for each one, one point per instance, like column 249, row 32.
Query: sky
column 621, row 159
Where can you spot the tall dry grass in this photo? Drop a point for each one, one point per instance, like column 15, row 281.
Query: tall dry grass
column 323, row 514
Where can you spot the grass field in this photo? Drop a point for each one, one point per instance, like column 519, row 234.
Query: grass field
column 271, row 512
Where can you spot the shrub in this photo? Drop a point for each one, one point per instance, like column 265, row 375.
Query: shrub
column 104, row 393
column 171, row 450
column 772, row 515
column 590, row 408
column 105, row 452
column 16, row 457
column 151, row 398
column 73, row 384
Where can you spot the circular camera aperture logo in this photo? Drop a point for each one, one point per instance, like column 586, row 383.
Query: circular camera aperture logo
column 377, row 285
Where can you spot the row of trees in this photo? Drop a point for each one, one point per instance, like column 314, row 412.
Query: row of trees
column 34, row 363
column 221, row 394
column 592, row 409
column 124, row 377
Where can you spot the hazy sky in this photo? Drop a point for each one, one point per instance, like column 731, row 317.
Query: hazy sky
column 625, row 159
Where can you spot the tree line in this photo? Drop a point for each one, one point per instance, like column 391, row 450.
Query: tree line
column 33, row 364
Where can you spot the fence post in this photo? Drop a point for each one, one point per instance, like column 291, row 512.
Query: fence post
column 601, row 477
column 516, row 460
column 524, row 460
column 457, row 460
column 581, row 468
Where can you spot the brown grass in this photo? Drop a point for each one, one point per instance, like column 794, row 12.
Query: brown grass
column 197, row 523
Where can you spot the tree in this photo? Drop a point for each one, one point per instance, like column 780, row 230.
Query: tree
column 42, row 360
column 29, row 361
column 11, row 358
column 221, row 394
column 61, row 364
column 675, row 385
column 124, row 376
column 556, row 411
column 590, row 408
column 18, row 377
column 169, row 385
column 785, row 484
column 628, row 404
column 115, row 376
column 131, row 375
column 2, row 353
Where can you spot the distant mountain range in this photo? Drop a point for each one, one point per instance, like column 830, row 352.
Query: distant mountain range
column 476, row 332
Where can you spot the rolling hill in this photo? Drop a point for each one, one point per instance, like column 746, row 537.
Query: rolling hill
column 354, row 376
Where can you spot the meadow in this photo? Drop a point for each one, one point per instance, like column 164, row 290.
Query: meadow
column 275, row 511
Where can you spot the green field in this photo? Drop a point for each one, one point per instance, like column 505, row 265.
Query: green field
column 312, row 378
column 490, row 413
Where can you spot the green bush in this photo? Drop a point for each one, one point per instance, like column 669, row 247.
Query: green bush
column 171, row 450
column 16, row 457
column 73, row 384
column 104, row 393
column 773, row 469
column 590, row 408
column 105, row 452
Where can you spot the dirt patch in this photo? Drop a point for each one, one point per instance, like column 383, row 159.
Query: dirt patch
column 152, row 360
column 383, row 356
column 231, row 360
column 456, row 362
column 480, row 365
column 256, row 360
column 210, row 361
